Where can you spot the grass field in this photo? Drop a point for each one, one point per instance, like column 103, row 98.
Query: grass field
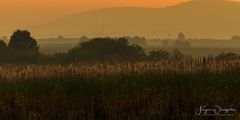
column 168, row 90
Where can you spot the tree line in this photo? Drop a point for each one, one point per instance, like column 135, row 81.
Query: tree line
column 23, row 48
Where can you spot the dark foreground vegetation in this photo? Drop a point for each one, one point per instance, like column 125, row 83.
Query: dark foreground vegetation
column 168, row 90
column 110, row 79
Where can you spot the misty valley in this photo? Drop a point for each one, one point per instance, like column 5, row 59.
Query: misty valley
column 198, row 47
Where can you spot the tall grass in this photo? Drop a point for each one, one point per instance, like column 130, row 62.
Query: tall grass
column 143, row 90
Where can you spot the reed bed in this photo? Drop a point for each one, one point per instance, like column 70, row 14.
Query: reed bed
column 140, row 90
column 22, row 72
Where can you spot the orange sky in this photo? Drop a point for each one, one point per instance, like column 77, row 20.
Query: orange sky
column 15, row 13
column 31, row 11
column 82, row 4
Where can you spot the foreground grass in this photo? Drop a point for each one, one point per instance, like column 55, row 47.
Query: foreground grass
column 101, row 92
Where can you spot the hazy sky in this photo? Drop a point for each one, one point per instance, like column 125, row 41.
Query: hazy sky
column 33, row 11
column 16, row 13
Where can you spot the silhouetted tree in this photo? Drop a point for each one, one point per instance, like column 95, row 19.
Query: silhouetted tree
column 3, row 52
column 98, row 49
column 22, row 48
column 181, row 41
column 181, row 36
column 22, row 41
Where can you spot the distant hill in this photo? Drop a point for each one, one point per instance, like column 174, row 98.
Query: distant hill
column 198, row 18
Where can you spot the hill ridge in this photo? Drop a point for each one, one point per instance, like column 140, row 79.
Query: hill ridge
column 196, row 19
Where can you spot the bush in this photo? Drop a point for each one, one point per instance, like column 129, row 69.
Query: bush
column 101, row 49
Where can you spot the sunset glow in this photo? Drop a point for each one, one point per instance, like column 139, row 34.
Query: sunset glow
column 70, row 5
column 22, row 13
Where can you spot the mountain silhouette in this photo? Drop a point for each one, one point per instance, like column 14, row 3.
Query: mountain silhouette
column 197, row 18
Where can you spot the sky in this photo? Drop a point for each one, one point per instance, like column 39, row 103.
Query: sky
column 31, row 12
column 23, row 13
